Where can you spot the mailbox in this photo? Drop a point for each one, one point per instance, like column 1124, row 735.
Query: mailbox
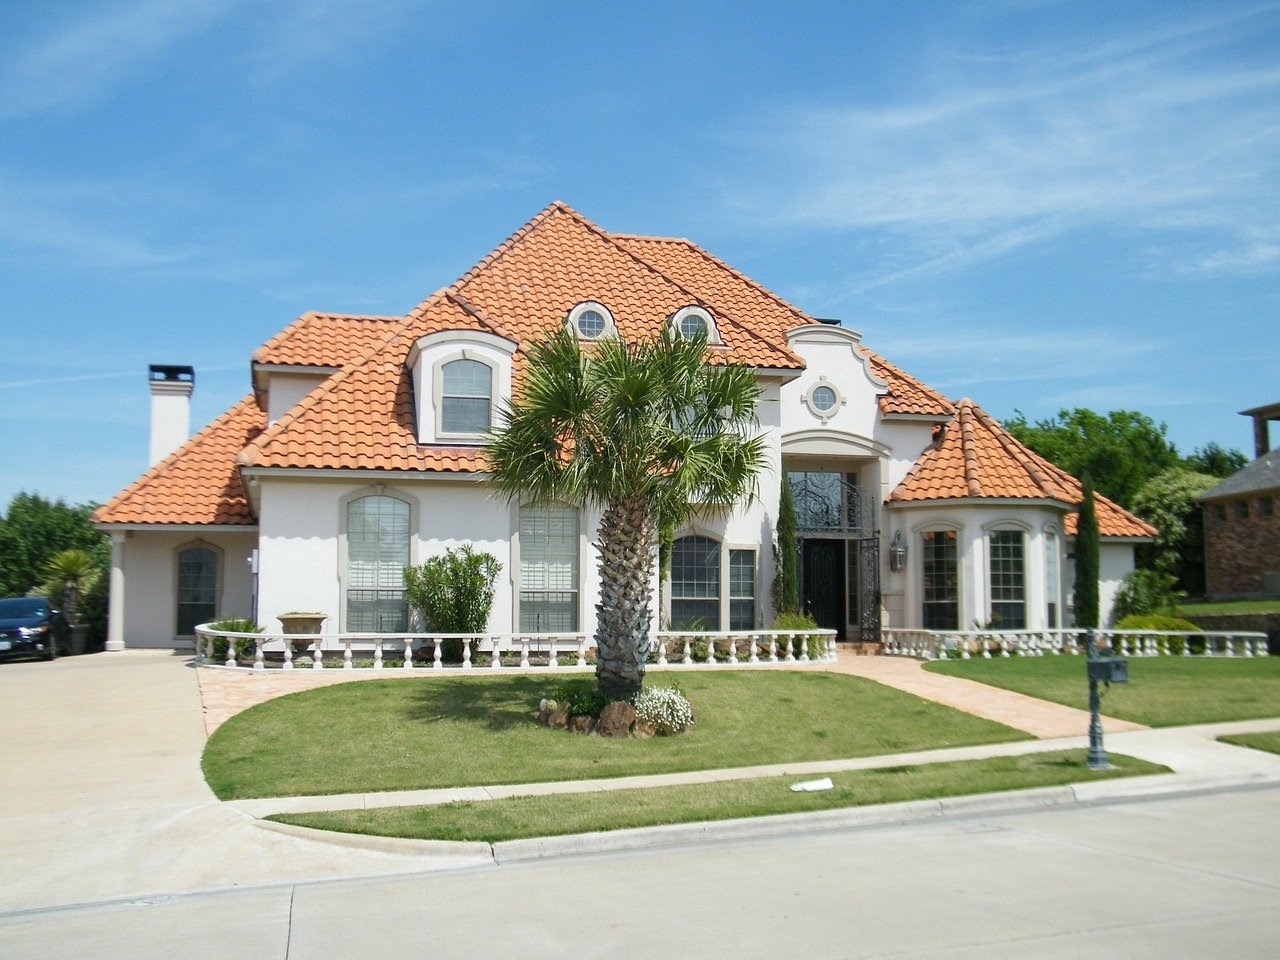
column 1109, row 670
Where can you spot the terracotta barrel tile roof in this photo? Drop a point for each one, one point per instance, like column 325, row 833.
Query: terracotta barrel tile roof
column 326, row 339
column 975, row 458
column 198, row 483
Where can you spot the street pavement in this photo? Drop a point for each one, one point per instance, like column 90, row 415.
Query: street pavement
column 109, row 836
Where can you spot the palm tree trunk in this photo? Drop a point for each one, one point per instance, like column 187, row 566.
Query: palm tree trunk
column 628, row 551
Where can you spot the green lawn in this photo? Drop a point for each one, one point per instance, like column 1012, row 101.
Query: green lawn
column 542, row 816
column 1228, row 607
column 1162, row 691
column 1269, row 742
column 405, row 734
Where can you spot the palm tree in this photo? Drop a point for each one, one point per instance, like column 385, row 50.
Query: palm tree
column 71, row 572
column 650, row 433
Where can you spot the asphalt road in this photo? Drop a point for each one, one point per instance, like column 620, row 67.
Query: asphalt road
column 1192, row 877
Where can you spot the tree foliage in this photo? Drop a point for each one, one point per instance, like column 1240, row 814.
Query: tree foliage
column 648, row 431
column 1216, row 461
column 1167, row 501
column 1088, row 561
column 786, row 586
column 1120, row 450
column 1145, row 592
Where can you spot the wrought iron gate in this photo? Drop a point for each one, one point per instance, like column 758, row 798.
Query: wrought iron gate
column 869, row 589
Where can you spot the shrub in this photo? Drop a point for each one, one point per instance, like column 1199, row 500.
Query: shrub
column 230, row 625
column 665, row 708
column 453, row 593
column 816, row 647
column 1160, row 621
column 581, row 698
column 1145, row 592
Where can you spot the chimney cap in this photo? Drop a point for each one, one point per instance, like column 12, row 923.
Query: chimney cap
column 173, row 373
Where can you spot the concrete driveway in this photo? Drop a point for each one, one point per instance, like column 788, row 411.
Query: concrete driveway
column 101, row 794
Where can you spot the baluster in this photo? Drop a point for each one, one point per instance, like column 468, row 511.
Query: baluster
column 259, row 656
column 553, row 660
column 346, row 654
column 773, row 647
column 789, row 640
column 1208, row 644
column 466, row 653
column 377, row 654
column 732, row 641
column 832, row 654
column 407, row 663
column 231, row 652
column 1248, row 648
column 317, row 662
column 437, row 656
column 687, row 659
column 288, row 654
column 582, row 651
column 662, row 651
column 524, row 651
column 495, row 658
column 753, row 648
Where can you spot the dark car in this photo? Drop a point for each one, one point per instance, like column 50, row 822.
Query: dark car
column 30, row 627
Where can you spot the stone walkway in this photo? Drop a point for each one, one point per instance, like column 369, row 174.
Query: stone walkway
column 224, row 693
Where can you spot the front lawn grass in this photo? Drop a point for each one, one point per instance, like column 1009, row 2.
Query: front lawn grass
column 514, row 818
column 1221, row 607
column 1269, row 742
column 1162, row 691
column 417, row 733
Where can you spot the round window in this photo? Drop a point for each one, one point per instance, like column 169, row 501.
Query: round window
column 591, row 323
column 824, row 399
column 693, row 325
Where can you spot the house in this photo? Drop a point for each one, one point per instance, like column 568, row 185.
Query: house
column 359, row 449
column 1241, row 527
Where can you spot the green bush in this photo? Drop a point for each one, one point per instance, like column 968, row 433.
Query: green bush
column 816, row 647
column 453, row 593
column 1145, row 592
column 230, row 625
column 581, row 698
column 1161, row 621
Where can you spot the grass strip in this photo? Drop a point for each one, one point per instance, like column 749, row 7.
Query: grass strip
column 558, row 814
column 1270, row 742
column 419, row 733
column 1162, row 691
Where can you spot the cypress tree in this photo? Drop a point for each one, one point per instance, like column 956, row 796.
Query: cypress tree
column 786, row 589
column 1087, row 560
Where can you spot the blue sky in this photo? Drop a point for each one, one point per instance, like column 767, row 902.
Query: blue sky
column 1034, row 204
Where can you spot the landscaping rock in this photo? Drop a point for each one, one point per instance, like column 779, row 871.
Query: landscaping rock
column 616, row 719
column 558, row 719
column 581, row 723
column 643, row 731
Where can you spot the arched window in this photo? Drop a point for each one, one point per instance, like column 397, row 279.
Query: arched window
column 549, row 580
column 466, row 397
column 197, row 588
column 591, row 320
column 377, row 553
column 693, row 321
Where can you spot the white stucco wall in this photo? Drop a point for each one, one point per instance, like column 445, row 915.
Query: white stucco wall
column 285, row 390
column 1115, row 562
column 150, row 565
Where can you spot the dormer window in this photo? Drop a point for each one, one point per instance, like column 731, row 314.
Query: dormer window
column 591, row 321
column 690, row 322
column 460, row 378
column 466, row 397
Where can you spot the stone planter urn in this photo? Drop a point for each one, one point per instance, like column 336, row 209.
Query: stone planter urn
column 302, row 623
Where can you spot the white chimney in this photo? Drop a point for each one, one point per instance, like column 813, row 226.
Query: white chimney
column 170, row 408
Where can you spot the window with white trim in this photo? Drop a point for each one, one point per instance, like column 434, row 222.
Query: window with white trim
column 549, row 579
column 591, row 320
column 742, row 589
column 694, row 321
column 378, row 534
column 1007, row 564
column 466, row 397
column 939, row 568
column 197, row 594
column 1051, row 578
column 695, row 584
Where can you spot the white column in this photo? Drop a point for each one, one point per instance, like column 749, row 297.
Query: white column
column 115, row 601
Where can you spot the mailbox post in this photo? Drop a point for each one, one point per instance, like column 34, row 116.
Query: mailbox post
column 1106, row 670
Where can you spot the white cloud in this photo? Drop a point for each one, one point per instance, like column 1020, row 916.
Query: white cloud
column 1170, row 131
column 84, row 59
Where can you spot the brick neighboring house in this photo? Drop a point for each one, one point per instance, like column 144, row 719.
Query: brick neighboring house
column 1242, row 522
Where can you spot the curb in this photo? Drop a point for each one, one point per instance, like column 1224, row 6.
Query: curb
column 1155, row 786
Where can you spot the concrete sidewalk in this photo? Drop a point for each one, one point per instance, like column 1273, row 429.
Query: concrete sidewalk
column 102, row 796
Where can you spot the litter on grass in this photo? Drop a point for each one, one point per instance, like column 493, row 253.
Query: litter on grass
column 809, row 786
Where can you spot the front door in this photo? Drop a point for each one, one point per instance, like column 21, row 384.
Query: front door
column 822, row 583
